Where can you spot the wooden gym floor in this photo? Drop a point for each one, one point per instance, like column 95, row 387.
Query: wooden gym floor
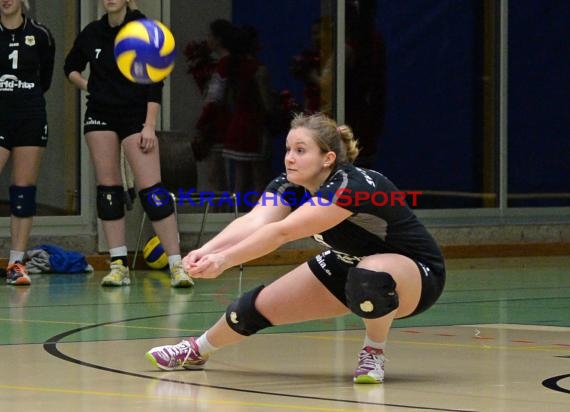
column 498, row 340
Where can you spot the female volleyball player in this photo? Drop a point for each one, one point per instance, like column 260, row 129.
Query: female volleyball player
column 26, row 69
column 381, row 263
column 120, row 112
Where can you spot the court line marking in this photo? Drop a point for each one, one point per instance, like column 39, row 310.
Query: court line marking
column 208, row 401
column 518, row 326
column 50, row 346
column 487, row 346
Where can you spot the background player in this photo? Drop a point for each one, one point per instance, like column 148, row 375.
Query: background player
column 27, row 51
column 120, row 112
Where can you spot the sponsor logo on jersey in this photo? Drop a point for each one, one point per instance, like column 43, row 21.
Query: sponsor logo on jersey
column 90, row 121
column 346, row 258
column 321, row 261
column 366, row 177
column 30, row 40
column 9, row 83
column 319, row 238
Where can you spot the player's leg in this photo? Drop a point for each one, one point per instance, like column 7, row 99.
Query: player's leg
column 408, row 286
column 4, row 156
column 157, row 204
column 381, row 288
column 297, row 296
column 105, row 153
column 25, row 169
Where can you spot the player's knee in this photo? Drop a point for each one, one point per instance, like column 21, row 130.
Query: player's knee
column 243, row 317
column 23, row 201
column 370, row 294
column 110, row 202
column 156, row 202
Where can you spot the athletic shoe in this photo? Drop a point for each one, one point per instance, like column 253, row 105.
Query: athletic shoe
column 118, row 276
column 370, row 366
column 16, row 275
column 170, row 357
column 179, row 278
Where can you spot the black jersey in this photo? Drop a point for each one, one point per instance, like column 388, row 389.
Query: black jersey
column 107, row 88
column 381, row 221
column 26, row 68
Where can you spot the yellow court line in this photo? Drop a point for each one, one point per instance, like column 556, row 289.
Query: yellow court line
column 119, row 325
column 55, row 322
column 539, row 348
column 156, row 397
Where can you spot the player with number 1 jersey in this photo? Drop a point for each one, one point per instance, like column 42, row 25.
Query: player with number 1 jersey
column 26, row 68
column 27, row 51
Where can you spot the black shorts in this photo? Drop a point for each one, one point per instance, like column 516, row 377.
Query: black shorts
column 332, row 270
column 124, row 123
column 23, row 132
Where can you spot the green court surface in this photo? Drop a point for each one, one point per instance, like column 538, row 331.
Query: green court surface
column 497, row 340
column 529, row 291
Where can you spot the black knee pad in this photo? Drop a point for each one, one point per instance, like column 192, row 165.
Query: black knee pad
column 23, row 201
column 243, row 317
column 110, row 202
column 156, row 202
column 370, row 294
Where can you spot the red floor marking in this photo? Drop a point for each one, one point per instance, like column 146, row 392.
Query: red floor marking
column 483, row 337
column 444, row 334
column 411, row 331
column 562, row 344
column 522, row 341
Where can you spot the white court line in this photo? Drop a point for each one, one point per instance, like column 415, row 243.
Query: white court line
column 540, row 328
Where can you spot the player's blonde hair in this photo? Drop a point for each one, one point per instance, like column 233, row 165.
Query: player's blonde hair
column 329, row 136
column 26, row 5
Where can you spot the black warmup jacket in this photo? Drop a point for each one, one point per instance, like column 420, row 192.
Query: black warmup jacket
column 26, row 69
column 108, row 89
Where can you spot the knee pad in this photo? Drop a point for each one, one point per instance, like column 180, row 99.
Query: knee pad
column 243, row 317
column 23, row 201
column 156, row 202
column 110, row 202
column 370, row 294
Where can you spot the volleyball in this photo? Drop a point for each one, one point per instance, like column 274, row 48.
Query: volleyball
column 145, row 51
column 154, row 255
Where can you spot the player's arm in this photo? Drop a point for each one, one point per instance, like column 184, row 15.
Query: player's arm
column 261, row 215
column 309, row 219
column 75, row 63
column 148, row 138
column 47, row 59
column 78, row 80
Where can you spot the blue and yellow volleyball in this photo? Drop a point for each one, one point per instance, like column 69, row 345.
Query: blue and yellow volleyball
column 145, row 51
column 154, row 255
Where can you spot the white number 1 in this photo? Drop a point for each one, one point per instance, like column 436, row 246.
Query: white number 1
column 14, row 57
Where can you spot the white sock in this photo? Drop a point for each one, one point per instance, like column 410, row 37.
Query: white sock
column 173, row 260
column 15, row 256
column 374, row 344
column 120, row 251
column 204, row 345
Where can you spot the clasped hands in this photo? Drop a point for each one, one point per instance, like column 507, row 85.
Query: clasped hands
column 207, row 266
